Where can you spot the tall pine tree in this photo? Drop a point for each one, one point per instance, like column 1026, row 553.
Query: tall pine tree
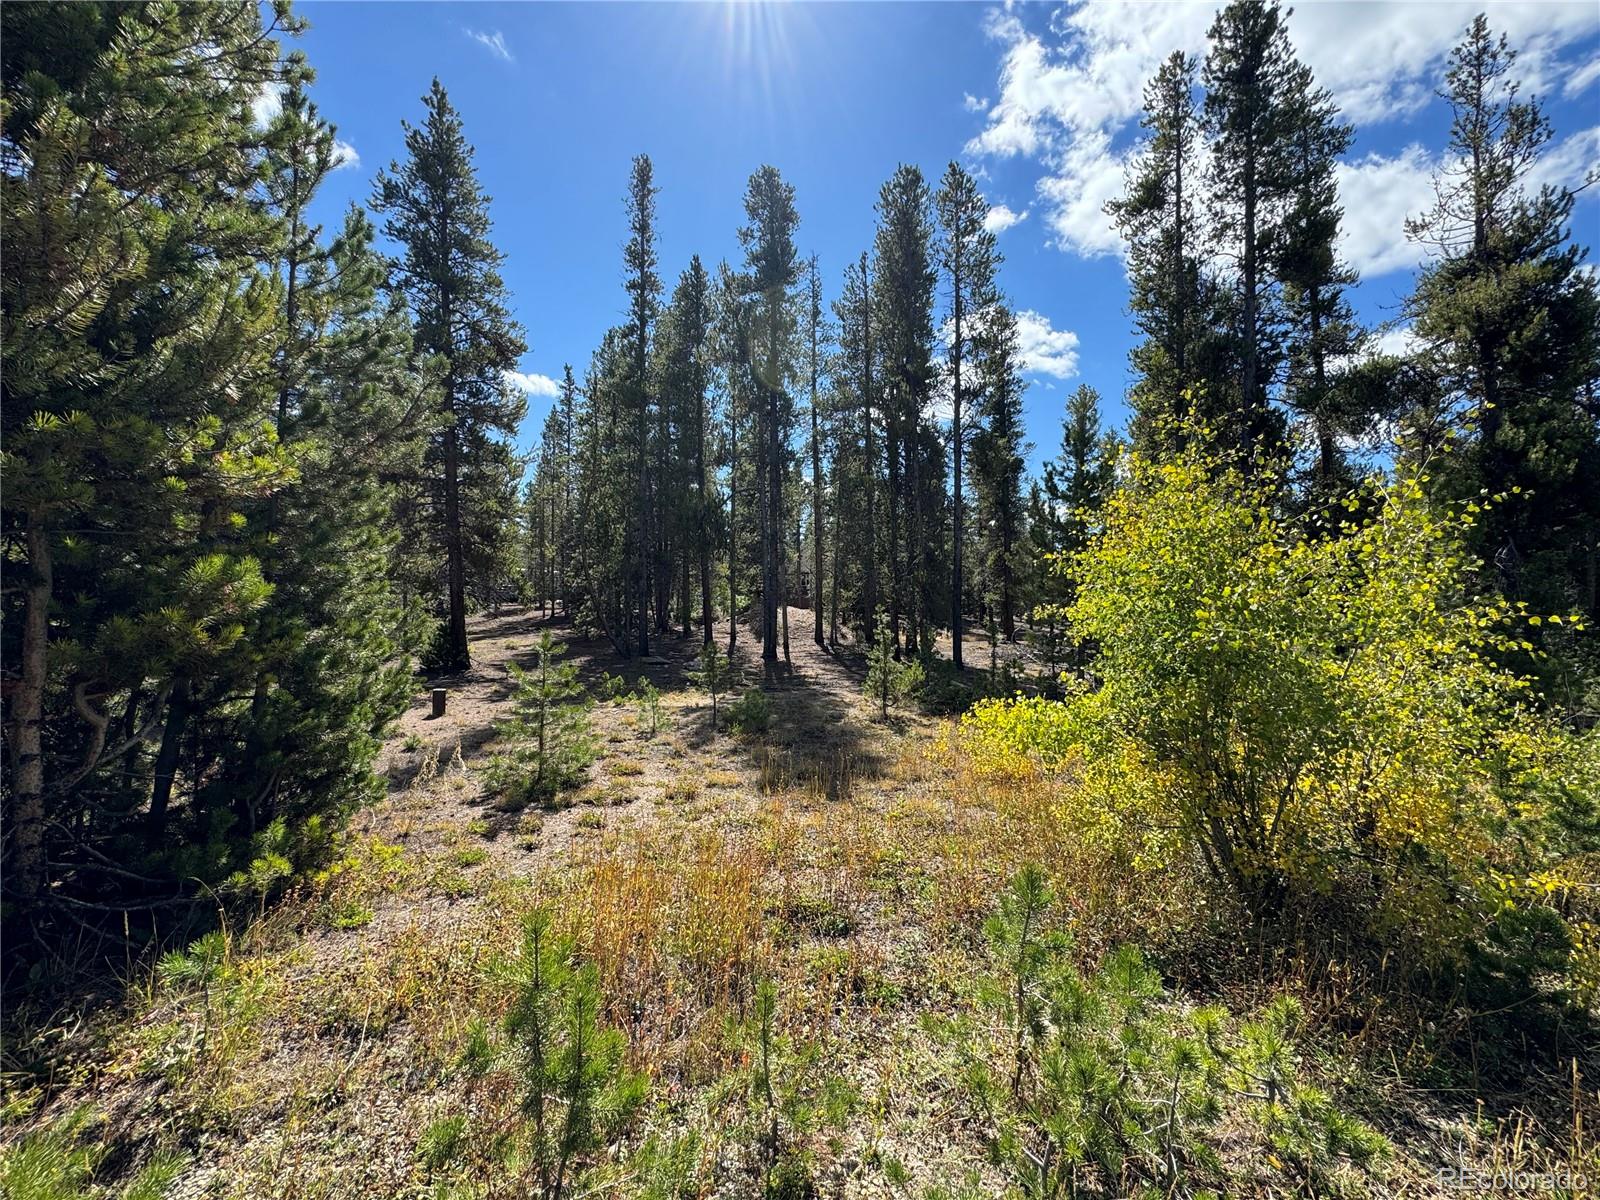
column 449, row 272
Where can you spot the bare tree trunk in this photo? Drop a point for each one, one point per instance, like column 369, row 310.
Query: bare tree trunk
column 955, row 456
column 733, row 522
column 179, row 708
column 27, row 717
column 869, row 477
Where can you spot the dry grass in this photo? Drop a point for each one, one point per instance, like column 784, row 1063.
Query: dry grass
column 855, row 876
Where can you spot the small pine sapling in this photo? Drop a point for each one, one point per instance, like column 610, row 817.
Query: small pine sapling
column 713, row 674
column 648, row 698
column 550, row 740
column 578, row 1092
column 890, row 681
column 787, row 1095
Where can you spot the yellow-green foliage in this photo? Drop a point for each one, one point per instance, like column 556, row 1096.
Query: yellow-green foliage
column 1307, row 709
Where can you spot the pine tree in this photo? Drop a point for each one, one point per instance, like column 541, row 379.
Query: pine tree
column 814, row 362
column 997, row 463
column 578, row 1090
column 889, row 680
column 1322, row 330
column 333, row 648
column 1248, row 122
column 772, row 268
column 684, row 379
column 969, row 260
column 903, row 303
column 713, row 674
column 548, row 737
column 643, row 286
column 137, row 339
column 1509, row 319
column 1065, row 513
column 449, row 273
column 855, row 446
column 1171, row 298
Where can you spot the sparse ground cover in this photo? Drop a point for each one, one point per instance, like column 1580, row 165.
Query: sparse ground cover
column 825, row 966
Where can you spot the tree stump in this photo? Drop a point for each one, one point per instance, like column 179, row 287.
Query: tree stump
column 439, row 695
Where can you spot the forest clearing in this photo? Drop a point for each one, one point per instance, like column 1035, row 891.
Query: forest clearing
column 327, row 1048
column 747, row 765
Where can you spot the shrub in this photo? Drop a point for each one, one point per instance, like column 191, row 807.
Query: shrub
column 750, row 713
column 1310, row 710
column 550, row 741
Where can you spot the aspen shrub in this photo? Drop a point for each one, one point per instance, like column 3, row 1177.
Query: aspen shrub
column 1312, row 711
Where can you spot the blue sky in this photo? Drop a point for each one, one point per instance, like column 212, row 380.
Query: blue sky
column 1041, row 100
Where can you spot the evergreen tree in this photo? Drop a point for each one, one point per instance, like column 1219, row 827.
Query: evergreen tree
column 813, row 361
column 550, row 745
column 997, row 463
column 207, row 660
column 903, row 340
column 1065, row 509
column 1248, row 121
column 643, row 286
column 333, row 648
column 969, row 260
column 1170, row 295
column 713, row 674
column 1509, row 320
column 855, row 445
column 578, row 1090
column 1322, row 330
column 135, row 408
column 890, row 681
column 449, row 273
column 684, row 380
column 772, row 268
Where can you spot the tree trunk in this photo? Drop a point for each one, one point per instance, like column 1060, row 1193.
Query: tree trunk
column 457, row 656
column 703, row 512
column 27, row 717
column 179, row 708
column 955, row 462
column 816, row 492
column 733, row 523
column 869, row 479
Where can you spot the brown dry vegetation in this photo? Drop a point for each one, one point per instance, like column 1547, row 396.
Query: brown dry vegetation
column 850, row 862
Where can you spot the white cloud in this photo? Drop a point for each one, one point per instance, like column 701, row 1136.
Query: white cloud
column 1001, row 218
column 1045, row 350
column 974, row 104
column 533, row 384
column 1087, row 175
column 1570, row 161
column 267, row 104
column 1582, row 78
column 1072, row 98
column 1379, row 192
column 1398, row 341
column 495, row 42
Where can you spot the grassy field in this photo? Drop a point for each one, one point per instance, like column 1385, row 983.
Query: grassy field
column 823, row 975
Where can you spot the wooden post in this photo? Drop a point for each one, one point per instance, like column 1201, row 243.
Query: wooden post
column 439, row 695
